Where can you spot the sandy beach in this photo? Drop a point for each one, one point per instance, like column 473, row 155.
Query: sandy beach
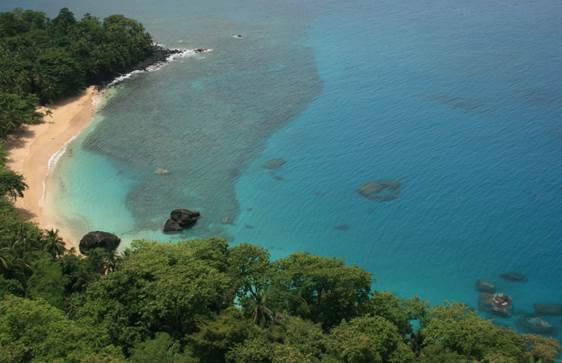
column 32, row 153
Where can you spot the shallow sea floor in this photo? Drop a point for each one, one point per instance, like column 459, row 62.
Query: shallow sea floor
column 458, row 101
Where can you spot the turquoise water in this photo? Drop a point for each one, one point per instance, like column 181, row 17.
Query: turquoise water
column 459, row 101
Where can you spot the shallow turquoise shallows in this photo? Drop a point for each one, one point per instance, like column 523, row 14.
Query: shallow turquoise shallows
column 459, row 101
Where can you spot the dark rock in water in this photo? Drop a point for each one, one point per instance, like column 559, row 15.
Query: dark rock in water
column 536, row 325
column 249, row 226
column 180, row 219
column 513, row 277
column 172, row 226
column 380, row 190
column 274, row 164
column 501, row 301
column 184, row 217
column 342, row 227
column 201, row 50
column 498, row 304
column 548, row 309
column 278, row 177
column 98, row 239
column 485, row 286
column 159, row 55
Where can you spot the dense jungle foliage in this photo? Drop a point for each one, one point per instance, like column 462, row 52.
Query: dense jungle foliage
column 45, row 59
column 206, row 301
column 193, row 301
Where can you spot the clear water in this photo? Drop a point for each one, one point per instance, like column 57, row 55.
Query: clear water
column 459, row 101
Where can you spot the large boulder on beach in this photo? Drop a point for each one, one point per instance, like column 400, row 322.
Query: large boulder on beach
column 485, row 286
column 548, row 309
column 184, row 217
column 380, row 190
column 513, row 276
column 98, row 239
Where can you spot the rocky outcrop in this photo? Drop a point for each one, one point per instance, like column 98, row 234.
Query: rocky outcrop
column 536, row 325
column 548, row 309
column 98, row 239
column 201, row 50
column 185, row 217
column 161, row 171
column 380, row 190
column 181, row 219
column 485, row 286
column 159, row 54
column 498, row 304
column 172, row 226
column 513, row 276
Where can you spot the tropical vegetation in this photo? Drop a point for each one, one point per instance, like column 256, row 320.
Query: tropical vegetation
column 192, row 301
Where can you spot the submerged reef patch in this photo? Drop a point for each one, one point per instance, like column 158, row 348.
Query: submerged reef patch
column 206, row 136
column 274, row 164
column 485, row 286
column 380, row 190
column 548, row 309
column 514, row 277
column 534, row 324
column 342, row 227
column 464, row 104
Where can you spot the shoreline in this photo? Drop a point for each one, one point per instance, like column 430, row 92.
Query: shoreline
column 35, row 151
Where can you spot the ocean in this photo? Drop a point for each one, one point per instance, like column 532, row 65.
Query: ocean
column 459, row 102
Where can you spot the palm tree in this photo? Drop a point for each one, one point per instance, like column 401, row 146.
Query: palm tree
column 103, row 261
column 25, row 240
column 11, row 184
column 22, row 248
column 110, row 262
column 6, row 259
column 262, row 315
column 53, row 243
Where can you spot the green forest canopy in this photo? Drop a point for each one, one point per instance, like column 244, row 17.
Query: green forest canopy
column 194, row 301
column 206, row 301
column 45, row 59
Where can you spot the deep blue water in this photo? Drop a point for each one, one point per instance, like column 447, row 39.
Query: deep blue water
column 461, row 102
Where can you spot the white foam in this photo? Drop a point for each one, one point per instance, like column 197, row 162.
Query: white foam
column 51, row 164
column 54, row 159
column 123, row 77
column 183, row 53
